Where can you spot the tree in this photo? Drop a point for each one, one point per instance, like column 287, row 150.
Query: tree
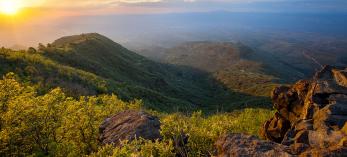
column 31, row 50
column 41, row 47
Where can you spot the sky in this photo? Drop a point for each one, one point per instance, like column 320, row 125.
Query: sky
column 45, row 20
column 77, row 7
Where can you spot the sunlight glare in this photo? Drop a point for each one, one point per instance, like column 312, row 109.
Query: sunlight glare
column 9, row 7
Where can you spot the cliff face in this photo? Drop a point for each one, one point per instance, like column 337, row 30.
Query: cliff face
column 311, row 115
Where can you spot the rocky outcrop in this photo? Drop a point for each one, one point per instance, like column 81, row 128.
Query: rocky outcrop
column 310, row 121
column 129, row 125
column 235, row 145
column 311, row 115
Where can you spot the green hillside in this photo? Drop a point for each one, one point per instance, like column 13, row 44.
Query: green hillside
column 91, row 64
column 234, row 65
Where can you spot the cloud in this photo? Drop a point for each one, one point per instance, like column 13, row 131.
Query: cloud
column 92, row 3
column 152, row 6
column 139, row 1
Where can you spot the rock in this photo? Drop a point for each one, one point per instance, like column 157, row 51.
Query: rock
column 298, row 148
column 340, row 76
column 290, row 101
column 330, row 152
column 311, row 115
column 129, row 125
column 236, row 145
column 276, row 128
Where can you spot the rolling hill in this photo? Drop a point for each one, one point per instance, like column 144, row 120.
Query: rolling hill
column 233, row 64
column 255, row 69
column 90, row 64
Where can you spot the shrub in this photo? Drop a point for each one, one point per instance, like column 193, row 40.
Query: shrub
column 51, row 124
column 204, row 131
column 54, row 124
column 138, row 147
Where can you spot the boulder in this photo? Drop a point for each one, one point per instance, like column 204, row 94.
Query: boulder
column 311, row 115
column 277, row 127
column 129, row 125
column 236, row 145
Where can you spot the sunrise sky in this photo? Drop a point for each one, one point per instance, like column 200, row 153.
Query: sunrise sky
column 28, row 22
column 73, row 7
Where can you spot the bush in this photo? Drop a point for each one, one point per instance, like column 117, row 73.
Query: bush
column 54, row 124
column 138, row 147
column 204, row 131
column 51, row 124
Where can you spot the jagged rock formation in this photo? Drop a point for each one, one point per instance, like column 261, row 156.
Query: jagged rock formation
column 310, row 121
column 312, row 115
column 129, row 125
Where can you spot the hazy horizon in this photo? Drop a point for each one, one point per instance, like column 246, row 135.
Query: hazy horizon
column 134, row 21
column 173, row 27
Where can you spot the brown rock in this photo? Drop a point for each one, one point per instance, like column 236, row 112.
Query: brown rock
column 275, row 128
column 298, row 148
column 129, row 125
column 344, row 129
column 241, row 145
column 290, row 101
column 316, row 113
column 329, row 152
column 341, row 77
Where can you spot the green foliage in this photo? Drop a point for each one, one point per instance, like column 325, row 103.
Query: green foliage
column 54, row 124
column 47, row 74
column 49, row 109
column 51, row 124
column 138, row 147
column 204, row 131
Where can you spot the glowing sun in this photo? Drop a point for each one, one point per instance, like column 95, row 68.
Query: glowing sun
column 9, row 7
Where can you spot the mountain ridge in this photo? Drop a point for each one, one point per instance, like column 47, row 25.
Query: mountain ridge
column 123, row 72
